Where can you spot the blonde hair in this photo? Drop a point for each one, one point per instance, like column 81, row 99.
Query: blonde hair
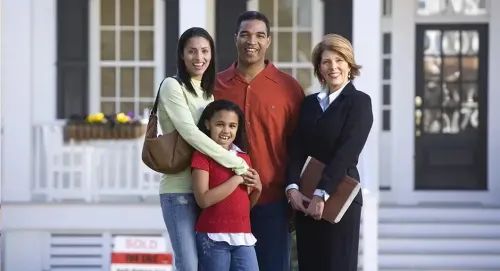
column 339, row 45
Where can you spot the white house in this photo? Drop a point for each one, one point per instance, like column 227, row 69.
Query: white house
column 430, row 176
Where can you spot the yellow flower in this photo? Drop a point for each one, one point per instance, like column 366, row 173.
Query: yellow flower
column 122, row 118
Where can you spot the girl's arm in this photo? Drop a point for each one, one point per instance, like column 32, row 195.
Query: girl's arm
column 173, row 102
column 206, row 197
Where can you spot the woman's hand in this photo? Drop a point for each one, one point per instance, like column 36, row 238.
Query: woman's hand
column 315, row 208
column 252, row 179
column 297, row 200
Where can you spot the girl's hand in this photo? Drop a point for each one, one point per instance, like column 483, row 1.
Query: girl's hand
column 315, row 208
column 297, row 200
column 252, row 179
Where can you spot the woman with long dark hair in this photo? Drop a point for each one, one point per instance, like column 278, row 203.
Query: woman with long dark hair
column 182, row 101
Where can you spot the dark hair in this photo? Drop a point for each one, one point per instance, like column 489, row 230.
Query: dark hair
column 208, row 79
column 252, row 15
column 240, row 139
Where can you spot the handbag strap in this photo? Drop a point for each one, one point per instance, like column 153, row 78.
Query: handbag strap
column 157, row 99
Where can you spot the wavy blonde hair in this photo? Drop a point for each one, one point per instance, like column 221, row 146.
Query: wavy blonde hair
column 340, row 45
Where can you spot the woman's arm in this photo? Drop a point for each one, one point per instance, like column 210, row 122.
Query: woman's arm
column 173, row 102
column 206, row 197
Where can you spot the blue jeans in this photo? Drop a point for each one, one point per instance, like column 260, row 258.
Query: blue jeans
column 180, row 213
column 220, row 256
column 271, row 228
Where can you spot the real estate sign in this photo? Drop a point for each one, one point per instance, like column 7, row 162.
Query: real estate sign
column 140, row 253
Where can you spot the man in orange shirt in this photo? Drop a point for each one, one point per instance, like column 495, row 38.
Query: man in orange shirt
column 271, row 102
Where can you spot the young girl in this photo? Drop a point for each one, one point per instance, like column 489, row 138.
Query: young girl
column 223, row 236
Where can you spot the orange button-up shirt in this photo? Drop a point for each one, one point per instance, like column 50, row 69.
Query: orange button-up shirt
column 271, row 103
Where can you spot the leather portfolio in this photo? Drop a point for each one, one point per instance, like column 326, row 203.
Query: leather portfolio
column 339, row 201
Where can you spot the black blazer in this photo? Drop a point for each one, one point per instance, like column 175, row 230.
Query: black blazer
column 335, row 137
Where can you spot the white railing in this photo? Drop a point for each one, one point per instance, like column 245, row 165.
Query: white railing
column 89, row 170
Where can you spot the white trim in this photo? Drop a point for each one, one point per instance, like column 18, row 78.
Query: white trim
column 94, row 56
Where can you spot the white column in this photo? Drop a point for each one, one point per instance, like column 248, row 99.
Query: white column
column 192, row 13
column 493, row 103
column 17, row 105
column 367, row 48
column 43, row 48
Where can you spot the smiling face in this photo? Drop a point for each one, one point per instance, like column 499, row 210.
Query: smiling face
column 197, row 56
column 252, row 41
column 334, row 69
column 223, row 127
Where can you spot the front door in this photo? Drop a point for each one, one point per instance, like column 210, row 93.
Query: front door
column 450, row 107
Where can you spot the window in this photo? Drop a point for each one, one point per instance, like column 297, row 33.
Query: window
column 451, row 7
column 125, row 56
column 294, row 30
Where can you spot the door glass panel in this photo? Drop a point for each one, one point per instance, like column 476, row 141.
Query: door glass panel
column 470, row 112
column 470, row 42
column 470, row 66
column 266, row 7
column 127, row 107
column 432, row 121
column 146, row 79
column 432, row 42
column 432, row 67
column 108, row 108
column 451, row 69
column 432, row 94
column 451, row 95
column 451, row 119
column 304, row 77
column 451, row 42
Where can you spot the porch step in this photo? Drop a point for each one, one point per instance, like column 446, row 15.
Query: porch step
column 438, row 238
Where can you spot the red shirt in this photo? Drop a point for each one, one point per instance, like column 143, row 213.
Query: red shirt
column 232, row 214
column 271, row 103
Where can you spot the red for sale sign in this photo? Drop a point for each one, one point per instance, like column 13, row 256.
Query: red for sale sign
column 140, row 253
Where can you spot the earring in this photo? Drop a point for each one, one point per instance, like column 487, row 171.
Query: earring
column 349, row 76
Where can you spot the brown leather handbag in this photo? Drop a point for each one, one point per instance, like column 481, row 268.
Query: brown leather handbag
column 168, row 153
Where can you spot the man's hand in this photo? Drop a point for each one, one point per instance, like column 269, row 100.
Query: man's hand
column 297, row 199
column 315, row 208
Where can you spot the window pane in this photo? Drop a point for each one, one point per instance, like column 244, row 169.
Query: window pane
column 304, row 77
column 108, row 108
column 146, row 45
column 451, row 70
column 304, row 14
column 386, row 69
column 475, row 7
column 470, row 66
column 266, row 7
column 451, row 42
column 285, row 13
column 386, row 120
column 470, row 42
column 127, row 12
column 127, row 107
column 432, row 42
column 107, row 12
column 304, row 47
column 470, row 112
column 108, row 45
column 108, row 82
column 146, row 15
column 430, row 7
column 386, row 94
column 127, row 82
column 386, row 43
column 284, row 47
column 146, row 81
column 145, row 108
column 127, row 45
column 451, row 118
column 289, row 71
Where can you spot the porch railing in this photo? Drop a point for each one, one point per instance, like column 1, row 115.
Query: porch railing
column 89, row 170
